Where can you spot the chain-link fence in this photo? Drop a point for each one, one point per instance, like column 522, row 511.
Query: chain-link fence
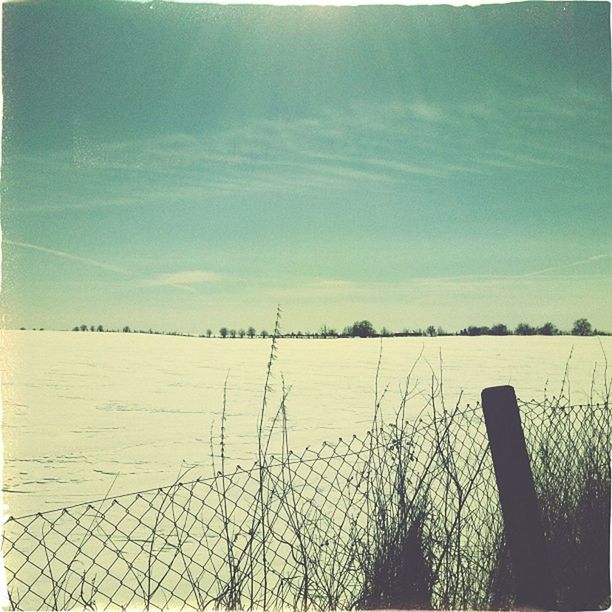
column 409, row 513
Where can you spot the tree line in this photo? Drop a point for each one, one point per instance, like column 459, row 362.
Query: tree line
column 365, row 329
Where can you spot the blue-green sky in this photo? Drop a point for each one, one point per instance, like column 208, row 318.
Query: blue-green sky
column 183, row 166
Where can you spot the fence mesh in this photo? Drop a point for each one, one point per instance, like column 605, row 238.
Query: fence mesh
column 325, row 529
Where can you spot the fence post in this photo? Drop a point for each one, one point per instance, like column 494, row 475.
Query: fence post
column 522, row 521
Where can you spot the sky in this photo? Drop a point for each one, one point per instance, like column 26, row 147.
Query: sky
column 185, row 166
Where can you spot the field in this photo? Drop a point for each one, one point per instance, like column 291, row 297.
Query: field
column 402, row 513
column 87, row 411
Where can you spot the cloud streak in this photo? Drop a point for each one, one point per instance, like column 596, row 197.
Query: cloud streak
column 574, row 264
column 70, row 256
column 182, row 279
column 178, row 280
column 392, row 146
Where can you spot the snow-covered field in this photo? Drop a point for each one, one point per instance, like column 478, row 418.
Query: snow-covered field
column 87, row 412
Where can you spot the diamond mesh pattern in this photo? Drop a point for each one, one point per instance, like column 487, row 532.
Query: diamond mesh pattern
column 296, row 531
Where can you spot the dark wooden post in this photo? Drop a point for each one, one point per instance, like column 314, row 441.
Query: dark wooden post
column 522, row 521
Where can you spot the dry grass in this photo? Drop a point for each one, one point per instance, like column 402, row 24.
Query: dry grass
column 414, row 524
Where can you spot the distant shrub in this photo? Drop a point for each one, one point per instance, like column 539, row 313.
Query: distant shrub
column 582, row 328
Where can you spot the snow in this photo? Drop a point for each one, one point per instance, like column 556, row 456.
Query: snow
column 88, row 413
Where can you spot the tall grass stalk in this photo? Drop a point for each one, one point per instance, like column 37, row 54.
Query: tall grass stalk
column 410, row 522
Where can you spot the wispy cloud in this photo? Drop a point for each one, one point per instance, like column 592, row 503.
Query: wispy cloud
column 574, row 264
column 388, row 146
column 365, row 144
column 427, row 112
column 333, row 284
column 413, row 289
column 70, row 256
column 182, row 279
